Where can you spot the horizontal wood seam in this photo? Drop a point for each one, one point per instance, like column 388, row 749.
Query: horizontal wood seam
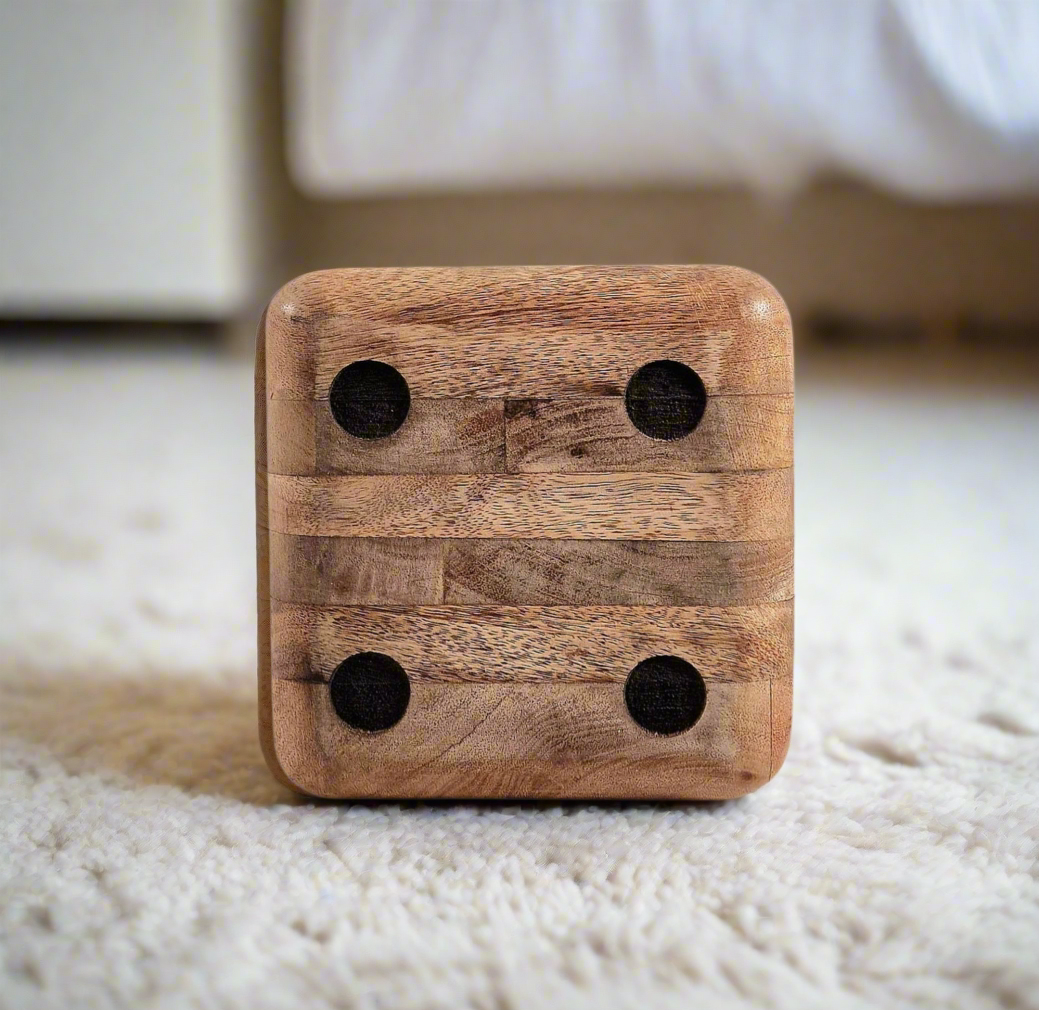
column 591, row 609
column 534, row 475
column 559, row 540
column 569, row 398
column 508, row 398
column 407, row 608
column 462, row 678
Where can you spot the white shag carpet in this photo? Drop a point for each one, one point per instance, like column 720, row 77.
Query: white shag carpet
column 148, row 859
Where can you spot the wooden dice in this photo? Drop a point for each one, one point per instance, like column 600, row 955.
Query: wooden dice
column 525, row 532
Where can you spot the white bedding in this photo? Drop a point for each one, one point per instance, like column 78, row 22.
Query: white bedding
column 937, row 98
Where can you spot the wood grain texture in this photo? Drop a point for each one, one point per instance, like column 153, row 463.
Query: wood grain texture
column 569, row 436
column 531, row 436
column 340, row 570
column 266, row 718
column 416, row 570
column 781, row 711
column 465, row 435
column 523, row 332
column 741, row 506
column 262, row 496
column 517, row 545
column 543, row 645
column 631, row 572
column 570, row 741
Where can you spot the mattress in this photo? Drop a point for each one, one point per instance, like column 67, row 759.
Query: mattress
column 937, row 100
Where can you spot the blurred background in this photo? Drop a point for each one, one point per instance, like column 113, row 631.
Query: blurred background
column 174, row 163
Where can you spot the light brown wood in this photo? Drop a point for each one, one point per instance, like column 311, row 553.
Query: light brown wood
column 473, row 740
column 439, row 436
column 531, row 436
column 524, row 332
column 542, row 645
column 264, row 685
column 569, row 436
column 342, row 570
column 416, row 570
column 631, row 572
column 781, row 713
column 262, row 495
column 517, row 546
column 740, row 506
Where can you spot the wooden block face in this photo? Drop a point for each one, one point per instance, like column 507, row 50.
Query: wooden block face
column 570, row 436
column 534, row 645
column 525, row 532
column 581, row 506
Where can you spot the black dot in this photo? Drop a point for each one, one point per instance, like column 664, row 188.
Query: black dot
column 369, row 399
column 665, row 399
column 665, row 694
column 370, row 691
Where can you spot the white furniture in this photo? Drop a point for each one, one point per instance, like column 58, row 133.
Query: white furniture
column 129, row 167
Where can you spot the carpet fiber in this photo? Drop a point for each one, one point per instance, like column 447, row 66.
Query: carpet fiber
column 147, row 858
